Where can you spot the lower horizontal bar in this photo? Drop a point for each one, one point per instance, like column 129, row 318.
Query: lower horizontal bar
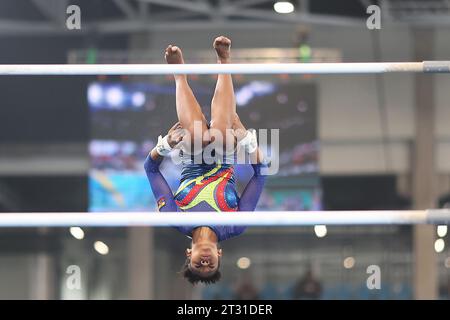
column 436, row 66
column 259, row 218
column 243, row 68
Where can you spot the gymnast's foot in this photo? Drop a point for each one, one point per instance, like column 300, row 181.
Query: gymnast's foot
column 173, row 55
column 222, row 45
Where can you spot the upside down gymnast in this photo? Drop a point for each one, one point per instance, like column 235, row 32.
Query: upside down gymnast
column 206, row 185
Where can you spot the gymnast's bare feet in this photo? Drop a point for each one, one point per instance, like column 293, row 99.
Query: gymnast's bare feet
column 173, row 55
column 222, row 45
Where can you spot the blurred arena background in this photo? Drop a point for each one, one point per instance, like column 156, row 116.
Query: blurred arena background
column 352, row 142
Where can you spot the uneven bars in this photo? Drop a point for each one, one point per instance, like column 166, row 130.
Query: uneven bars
column 258, row 218
column 244, row 68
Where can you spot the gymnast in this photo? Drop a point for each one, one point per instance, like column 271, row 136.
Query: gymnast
column 206, row 185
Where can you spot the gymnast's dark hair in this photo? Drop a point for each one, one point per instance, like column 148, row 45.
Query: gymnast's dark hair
column 195, row 278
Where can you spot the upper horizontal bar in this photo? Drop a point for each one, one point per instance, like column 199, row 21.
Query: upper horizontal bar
column 259, row 218
column 244, row 68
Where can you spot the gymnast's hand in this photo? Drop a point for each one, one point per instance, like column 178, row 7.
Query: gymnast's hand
column 239, row 130
column 175, row 135
column 247, row 139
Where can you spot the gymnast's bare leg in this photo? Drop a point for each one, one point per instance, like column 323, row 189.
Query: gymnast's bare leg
column 223, row 105
column 188, row 109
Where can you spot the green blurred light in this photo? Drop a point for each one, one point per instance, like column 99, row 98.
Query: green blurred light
column 305, row 53
column 91, row 57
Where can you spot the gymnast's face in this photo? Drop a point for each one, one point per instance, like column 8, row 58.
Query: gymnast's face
column 204, row 258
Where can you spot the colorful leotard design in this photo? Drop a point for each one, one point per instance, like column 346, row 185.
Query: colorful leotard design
column 206, row 187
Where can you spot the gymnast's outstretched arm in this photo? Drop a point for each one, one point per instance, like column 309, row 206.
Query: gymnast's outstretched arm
column 160, row 188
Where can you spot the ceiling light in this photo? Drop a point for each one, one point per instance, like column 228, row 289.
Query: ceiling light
column 77, row 233
column 243, row 263
column 320, row 231
column 101, row 247
column 283, row 7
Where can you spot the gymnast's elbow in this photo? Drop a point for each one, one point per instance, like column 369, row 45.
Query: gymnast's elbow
column 151, row 165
